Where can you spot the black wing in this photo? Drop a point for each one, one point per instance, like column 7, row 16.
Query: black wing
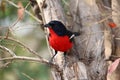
column 72, row 35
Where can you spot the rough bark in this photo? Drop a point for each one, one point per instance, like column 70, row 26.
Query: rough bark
column 116, row 18
column 116, row 9
column 90, row 45
column 86, row 60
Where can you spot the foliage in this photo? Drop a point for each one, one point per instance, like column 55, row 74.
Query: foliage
column 21, row 70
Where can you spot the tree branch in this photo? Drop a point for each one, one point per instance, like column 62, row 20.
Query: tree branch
column 8, row 50
column 34, row 60
column 113, row 58
column 10, row 2
column 21, row 44
column 14, row 57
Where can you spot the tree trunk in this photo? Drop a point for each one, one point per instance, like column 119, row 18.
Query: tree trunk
column 91, row 42
column 116, row 32
column 86, row 60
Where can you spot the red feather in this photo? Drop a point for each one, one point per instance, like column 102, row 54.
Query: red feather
column 59, row 43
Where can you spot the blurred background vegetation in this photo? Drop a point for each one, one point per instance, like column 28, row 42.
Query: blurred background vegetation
column 27, row 31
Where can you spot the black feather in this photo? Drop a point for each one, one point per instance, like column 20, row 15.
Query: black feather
column 60, row 29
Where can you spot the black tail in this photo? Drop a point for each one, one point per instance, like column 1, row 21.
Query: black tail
column 76, row 33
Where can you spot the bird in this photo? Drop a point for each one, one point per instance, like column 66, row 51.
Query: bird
column 60, row 39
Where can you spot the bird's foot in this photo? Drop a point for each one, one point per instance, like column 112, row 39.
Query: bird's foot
column 50, row 62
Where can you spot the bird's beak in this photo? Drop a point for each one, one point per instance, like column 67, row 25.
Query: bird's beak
column 46, row 25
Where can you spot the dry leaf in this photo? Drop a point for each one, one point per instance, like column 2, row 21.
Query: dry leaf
column 113, row 66
column 20, row 11
column 112, row 24
column 2, row 6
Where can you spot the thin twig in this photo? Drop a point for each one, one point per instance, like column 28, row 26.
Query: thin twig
column 14, row 23
column 33, row 60
column 117, row 38
column 28, row 59
column 7, row 33
column 113, row 58
column 24, row 58
column 10, row 2
column 98, row 22
column 23, row 45
column 14, row 57
column 5, row 64
column 27, row 5
column 39, row 59
column 8, row 50
column 44, row 21
column 27, row 76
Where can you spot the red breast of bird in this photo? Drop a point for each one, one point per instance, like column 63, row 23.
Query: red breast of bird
column 59, row 43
